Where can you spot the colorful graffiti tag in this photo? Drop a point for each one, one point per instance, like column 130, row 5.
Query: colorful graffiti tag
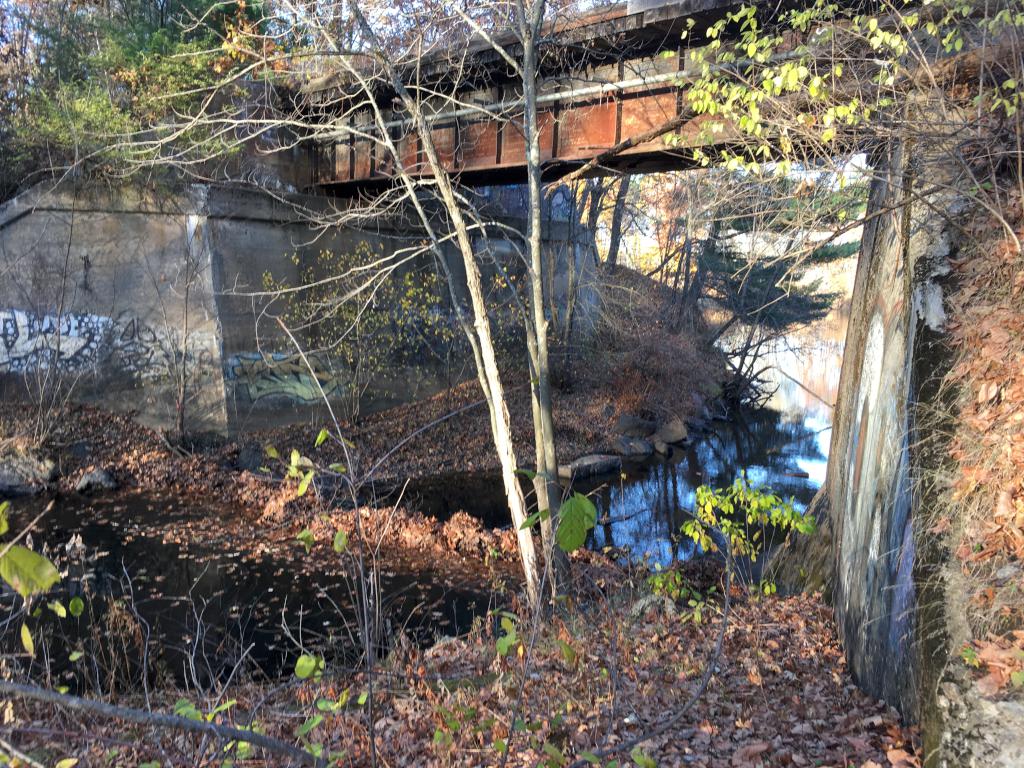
column 261, row 376
column 75, row 343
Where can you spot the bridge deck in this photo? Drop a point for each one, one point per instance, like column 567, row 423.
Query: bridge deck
column 614, row 74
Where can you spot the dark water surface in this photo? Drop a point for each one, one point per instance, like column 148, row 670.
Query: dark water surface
column 212, row 595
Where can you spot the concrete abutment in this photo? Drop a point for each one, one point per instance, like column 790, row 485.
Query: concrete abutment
column 125, row 291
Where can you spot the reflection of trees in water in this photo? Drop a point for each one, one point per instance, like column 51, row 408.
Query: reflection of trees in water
column 645, row 513
column 202, row 604
column 764, row 439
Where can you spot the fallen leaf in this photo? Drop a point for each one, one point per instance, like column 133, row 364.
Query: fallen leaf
column 990, row 684
column 748, row 754
column 900, row 758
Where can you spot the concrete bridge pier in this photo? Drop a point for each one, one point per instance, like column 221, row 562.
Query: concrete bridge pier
column 898, row 592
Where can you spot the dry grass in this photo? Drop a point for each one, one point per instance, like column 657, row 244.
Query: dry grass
column 648, row 360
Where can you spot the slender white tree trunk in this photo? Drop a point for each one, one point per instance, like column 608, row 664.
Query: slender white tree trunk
column 530, row 16
column 480, row 332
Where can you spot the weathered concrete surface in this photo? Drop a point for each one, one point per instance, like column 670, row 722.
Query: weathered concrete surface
column 114, row 291
column 897, row 594
column 127, row 292
column 868, row 482
column 865, row 553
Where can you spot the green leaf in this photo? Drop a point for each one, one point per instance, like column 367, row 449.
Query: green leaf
column 532, row 520
column 271, row 452
column 185, row 708
column 575, row 519
column 306, row 538
column 326, row 705
column 304, row 483
column 442, row 738
column 641, row 759
column 340, row 543
column 4, row 525
column 26, row 640
column 27, row 572
column 321, row 438
column 1017, row 678
column 508, row 640
column 307, row 666
column 529, row 474
column 76, row 606
column 554, row 753
column 224, row 706
column 58, row 608
column 590, row 757
column 568, row 652
column 67, row 762
column 361, row 701
column 75, row 656
column 294, row 459
column 309, row 725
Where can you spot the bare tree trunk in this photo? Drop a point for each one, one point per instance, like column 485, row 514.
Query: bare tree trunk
column 480, row 332
column 546, row 484
column 615, row 236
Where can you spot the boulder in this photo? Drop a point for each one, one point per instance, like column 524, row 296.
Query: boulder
column 590, row 466
column 24, row 472
column 672, row 431
column 633, row 447
column 251, row 456
column 96, row 480
column 661, row 446
column 634, row 426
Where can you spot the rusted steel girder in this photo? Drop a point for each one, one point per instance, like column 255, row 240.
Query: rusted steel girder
column 624, row 74
column 493, row 150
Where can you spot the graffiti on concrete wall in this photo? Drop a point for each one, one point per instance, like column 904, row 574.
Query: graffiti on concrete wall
column 261, row 376
column 75, row 343
column 29, row 341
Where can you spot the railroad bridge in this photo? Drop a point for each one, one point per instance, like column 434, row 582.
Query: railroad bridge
column 608, row 78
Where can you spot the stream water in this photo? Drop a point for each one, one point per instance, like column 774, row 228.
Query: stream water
column 213, row 603
column 176, row 569
column 783, row 446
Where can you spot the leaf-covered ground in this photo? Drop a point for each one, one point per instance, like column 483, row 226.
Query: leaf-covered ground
column 981, row 516
column 601, row 674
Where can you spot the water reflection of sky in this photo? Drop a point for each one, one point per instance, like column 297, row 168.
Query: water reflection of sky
column 783, row 447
